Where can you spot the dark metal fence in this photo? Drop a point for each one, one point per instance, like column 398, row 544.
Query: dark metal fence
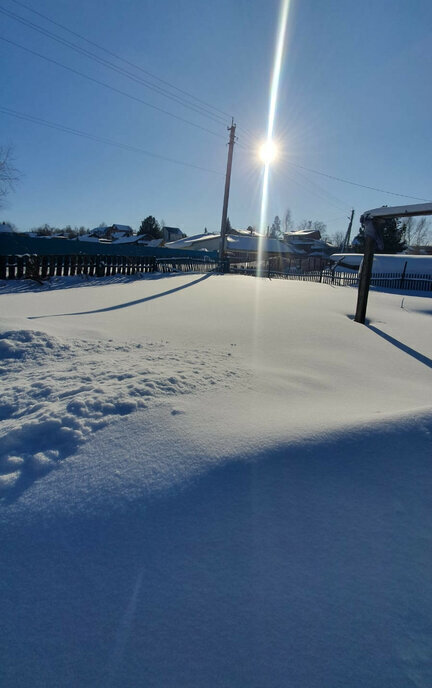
column 40, row 268
column 388, row 280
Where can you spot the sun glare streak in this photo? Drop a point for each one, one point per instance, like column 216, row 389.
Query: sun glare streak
column 269, row 145
column 274, row 92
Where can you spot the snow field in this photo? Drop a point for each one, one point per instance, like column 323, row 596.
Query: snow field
column 263, row 521
column 57, row 393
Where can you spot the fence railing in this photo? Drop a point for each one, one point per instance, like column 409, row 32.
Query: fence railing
column 186, row 265
column 40, row 268
column 389, row 280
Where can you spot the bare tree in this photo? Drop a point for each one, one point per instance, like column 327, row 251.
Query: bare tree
column 304, row 224
column 321, row 227
column 9, row 175
column 338, row 238
column 421, row 233
column 315, row 225
column 409, row 228
column 417, row 232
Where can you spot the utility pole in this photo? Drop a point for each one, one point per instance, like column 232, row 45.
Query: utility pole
column 365, row 279
column 222, row 253
column 348, row 233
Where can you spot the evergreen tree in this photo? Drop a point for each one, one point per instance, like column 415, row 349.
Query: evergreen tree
column 275, row 230
column 393, row 233
column 288, row 221
column 150, row 227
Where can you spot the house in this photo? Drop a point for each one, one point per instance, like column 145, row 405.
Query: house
column 303, row 238
column 172, row 234
column 197, row 242
column 146, row 240
column 112, row 232
column 245, row 247
column 316, row 251
column 242, row 246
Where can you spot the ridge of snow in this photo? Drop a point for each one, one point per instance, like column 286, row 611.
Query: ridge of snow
column 44, row 421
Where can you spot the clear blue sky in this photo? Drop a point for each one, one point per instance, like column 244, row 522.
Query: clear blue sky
column 355, row 102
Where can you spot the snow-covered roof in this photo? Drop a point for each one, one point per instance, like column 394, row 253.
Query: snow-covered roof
column 294, row 249
column 187, row 242
column 304, row 234
column 244, row 232
column 120, row 238
column 88, row 237
column 250, row 243
column 237, row 242
column 154, row 243
column 116, row 229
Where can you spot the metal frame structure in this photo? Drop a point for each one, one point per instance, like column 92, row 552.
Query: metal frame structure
column 370, row 220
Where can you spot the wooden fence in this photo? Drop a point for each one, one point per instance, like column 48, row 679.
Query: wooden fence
column 40, row 268
column 388, row 280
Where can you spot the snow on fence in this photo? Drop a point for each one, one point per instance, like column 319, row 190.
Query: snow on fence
column 40, row 268
column 389, row 280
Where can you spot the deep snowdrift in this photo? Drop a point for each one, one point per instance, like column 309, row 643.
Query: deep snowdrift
column 215, row 481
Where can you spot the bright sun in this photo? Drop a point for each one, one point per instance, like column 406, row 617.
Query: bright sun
column 268, row 152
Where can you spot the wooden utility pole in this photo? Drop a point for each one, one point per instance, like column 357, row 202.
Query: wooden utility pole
column 222, row 252
column 348, row 233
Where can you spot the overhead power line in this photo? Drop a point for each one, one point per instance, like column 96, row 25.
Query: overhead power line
column 340, row 179
column 110, row 65
column 101, row 139
column 320, row 190
column 314, row 192
column 363, row 186
column 112, row 88
column 197, row 106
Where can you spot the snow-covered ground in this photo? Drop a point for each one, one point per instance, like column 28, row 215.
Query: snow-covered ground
column 214, row 481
